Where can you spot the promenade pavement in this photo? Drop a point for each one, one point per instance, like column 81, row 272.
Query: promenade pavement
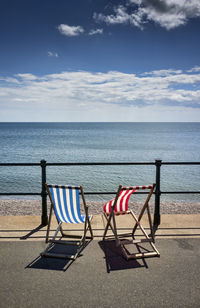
column 100, row 277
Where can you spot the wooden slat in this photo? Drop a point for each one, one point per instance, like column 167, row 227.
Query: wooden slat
column 71, row 235
column 127, row 242
column 65, row 242
column 144, row 255
column 56, row 255
column 140, row 255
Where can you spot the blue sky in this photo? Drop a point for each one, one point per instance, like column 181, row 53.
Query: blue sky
column 96, row 60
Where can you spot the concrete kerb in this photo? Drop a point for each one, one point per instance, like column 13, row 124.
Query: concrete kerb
column 14, row 228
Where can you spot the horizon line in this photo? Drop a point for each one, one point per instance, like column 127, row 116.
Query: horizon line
column 2, row 122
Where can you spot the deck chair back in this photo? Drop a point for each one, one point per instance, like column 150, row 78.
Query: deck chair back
column 66, row 203
column 125, row 193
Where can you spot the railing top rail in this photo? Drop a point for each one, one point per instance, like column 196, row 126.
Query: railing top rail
column 181, row 163
column 100, row 163
column 20, row 164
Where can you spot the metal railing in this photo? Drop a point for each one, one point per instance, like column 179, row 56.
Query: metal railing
column 43, row 164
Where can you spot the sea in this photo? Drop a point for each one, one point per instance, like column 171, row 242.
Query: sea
column 100, row 142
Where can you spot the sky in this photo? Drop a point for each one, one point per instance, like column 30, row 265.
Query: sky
column 98, row 60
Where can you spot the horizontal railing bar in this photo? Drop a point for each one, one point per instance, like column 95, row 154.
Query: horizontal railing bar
column 109, row 193
column 79, row 164
column 100, row 164
column 180, row 163
column 85, row 193
column 19, row 164
column 103, row 193
column 180, row 192
column 20, row 194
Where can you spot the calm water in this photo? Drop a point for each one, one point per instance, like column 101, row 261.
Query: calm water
column 100, row 142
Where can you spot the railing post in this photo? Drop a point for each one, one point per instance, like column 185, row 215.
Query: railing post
column 156, row 222
column 44, row 217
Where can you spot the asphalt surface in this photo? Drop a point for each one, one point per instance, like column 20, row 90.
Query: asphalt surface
column 100, row 277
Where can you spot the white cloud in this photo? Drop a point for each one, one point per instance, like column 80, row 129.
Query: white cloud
column 70, row 30
column 53, row 54
column 195, row 69
column 163, row 73
column 26, row 77
column 95, row 31
column 121, row 16
column 86, row 89
column 9, row 80
column 168, row 14
column 112, row 96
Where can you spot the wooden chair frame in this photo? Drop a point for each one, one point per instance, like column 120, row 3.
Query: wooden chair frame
column 111, row 222
column 82, row 239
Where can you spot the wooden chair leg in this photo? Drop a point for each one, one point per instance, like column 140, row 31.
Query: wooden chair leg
column 49, row 223
column 90, row 228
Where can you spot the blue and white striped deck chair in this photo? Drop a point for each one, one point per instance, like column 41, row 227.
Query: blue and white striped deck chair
column 66, row 205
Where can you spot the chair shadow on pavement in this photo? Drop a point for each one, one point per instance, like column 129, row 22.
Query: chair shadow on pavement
column 29, row 234
column 115, row 260
column 56, row 264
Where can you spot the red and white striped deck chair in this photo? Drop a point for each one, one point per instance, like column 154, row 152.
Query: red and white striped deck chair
column 119, row 206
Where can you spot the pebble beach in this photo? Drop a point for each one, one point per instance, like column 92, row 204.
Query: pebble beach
column 34, row 207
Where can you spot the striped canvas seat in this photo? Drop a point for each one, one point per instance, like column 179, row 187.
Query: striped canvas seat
column 66, row 203
column 123, row 199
